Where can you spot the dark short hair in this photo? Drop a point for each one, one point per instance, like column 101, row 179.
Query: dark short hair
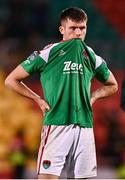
column 74, row 13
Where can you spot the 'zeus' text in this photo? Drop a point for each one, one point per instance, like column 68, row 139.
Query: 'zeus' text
column 71, row 67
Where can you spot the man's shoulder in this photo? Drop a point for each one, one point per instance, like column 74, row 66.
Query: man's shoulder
column 90, row 49
column 44, row 53
column 49, row 46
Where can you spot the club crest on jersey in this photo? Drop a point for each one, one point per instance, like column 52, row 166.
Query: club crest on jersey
column 46, row 164
column 85, row 54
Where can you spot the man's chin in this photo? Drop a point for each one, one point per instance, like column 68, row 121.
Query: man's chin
column 78, row 38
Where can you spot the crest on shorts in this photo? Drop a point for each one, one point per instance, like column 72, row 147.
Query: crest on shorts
column 46, row 164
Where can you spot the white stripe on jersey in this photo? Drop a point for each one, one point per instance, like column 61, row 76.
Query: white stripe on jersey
column 44, row 54
column 99, row 60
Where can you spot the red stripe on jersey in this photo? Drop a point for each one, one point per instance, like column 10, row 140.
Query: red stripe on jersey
column 46, row 138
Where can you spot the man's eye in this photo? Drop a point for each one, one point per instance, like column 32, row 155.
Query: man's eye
column 82, row 28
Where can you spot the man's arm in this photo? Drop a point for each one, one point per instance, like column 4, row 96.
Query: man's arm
column 108, row 88
column 14, row 82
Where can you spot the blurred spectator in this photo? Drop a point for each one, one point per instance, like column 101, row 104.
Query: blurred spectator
column 18, row 155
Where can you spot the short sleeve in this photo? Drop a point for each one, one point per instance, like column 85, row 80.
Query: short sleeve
column 34, row 63
column 102, row 72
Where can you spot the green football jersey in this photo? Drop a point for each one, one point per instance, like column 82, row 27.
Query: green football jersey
column 66, row 70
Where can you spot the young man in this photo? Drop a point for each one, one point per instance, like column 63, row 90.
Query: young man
column 66, row 70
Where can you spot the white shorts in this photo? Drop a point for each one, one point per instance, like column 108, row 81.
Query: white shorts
column 67, row 151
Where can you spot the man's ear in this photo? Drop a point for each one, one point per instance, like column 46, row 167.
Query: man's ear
column 61, row 29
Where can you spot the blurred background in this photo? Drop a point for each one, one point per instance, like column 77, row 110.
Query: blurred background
column 28, row 25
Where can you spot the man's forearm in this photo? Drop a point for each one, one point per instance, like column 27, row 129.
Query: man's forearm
column 14, row 82
column 22, row 89
column 104, row 91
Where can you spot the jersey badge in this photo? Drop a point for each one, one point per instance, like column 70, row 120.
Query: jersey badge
column 85, row 54
column 31, row 57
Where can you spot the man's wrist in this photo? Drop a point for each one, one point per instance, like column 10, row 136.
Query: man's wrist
column 37, row 98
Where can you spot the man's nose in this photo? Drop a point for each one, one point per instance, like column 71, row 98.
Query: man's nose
column 78, row 31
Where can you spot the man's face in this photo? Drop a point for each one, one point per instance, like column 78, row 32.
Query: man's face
column 71, row 29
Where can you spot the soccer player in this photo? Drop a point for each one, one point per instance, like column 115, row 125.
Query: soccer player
column 66, row 69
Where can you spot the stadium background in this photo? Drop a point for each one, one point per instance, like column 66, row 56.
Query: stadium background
column 28, row 25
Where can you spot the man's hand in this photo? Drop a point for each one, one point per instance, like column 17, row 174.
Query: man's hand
column 92, row 100
column 43, row 105
column 14, row 81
